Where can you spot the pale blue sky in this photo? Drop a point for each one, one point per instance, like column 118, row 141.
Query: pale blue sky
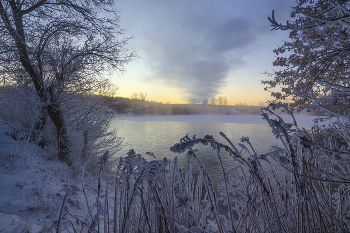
column 200, row 48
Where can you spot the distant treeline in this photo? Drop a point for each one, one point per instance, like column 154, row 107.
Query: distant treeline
column 122, row 105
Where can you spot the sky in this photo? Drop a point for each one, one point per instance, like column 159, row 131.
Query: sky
column 198, row 49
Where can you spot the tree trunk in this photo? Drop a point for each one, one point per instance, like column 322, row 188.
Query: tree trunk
column 85, row 146
column 46, row 95
column 39, row 128
column 56, row 117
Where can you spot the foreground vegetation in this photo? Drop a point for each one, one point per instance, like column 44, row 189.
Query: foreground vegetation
column 301, row 187
column 55, row 71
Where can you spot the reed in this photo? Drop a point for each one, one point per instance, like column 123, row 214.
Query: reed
column 302, row 187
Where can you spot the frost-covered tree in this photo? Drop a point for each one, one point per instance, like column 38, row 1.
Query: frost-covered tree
column 224, row 101
column 221, row 100
column 134, row 96
column 205, row 101
column 58, row 48
column 192, row 101
column 143, row 96
column 213, row 101
column 317, row 52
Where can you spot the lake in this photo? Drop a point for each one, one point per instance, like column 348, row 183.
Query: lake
column 158, row 133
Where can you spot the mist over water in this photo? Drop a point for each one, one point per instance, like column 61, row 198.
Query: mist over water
column 157, row 134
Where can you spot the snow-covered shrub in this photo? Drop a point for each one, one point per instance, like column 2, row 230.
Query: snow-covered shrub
column 86, row 118
column 20, row 109
column 87, row 121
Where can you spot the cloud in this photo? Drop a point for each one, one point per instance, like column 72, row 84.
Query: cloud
column 194, row 46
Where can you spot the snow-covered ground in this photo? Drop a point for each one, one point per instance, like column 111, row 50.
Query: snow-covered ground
column 33, row 184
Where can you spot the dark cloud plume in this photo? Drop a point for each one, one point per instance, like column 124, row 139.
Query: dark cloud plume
column 197, row 58
column 193, row 46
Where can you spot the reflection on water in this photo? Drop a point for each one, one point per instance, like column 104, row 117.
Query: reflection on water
column 158, row 136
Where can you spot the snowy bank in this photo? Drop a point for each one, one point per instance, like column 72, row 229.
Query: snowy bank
column 34, row 184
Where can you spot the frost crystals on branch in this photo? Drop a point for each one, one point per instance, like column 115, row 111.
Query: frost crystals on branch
column 60, row 51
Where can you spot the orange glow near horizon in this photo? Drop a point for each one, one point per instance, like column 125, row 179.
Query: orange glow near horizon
column 237, row 95
column 245, row 90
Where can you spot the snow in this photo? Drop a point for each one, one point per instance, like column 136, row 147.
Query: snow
column 33, row 185
column 303, row 120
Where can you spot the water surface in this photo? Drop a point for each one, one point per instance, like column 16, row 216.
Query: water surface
column 157, row 134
